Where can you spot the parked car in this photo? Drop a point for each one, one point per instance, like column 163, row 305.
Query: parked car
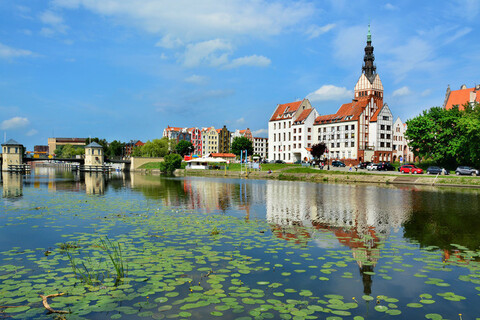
column 410, row 168
column 464, row 170
column 385, row 167
column 436, row 170
column 363, row 165
column 372, row 166
column 337, row 163
column 279, row 161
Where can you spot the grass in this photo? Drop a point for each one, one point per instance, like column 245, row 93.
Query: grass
column 150, row 165
column 91, row 271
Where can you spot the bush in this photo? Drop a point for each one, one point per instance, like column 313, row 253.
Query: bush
column 170, row 163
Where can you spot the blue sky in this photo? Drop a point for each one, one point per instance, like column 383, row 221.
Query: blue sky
column 125, row 70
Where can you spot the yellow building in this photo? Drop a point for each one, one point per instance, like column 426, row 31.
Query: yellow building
column 209, row 141
column 12, row 155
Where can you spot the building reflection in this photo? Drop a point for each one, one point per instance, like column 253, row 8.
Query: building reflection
column 357, row 215
column 94, row 183
column 12, row 184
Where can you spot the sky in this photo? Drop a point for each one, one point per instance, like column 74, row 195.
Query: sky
column 124, row 70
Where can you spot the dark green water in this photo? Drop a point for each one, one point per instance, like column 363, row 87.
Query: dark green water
column 204, row 248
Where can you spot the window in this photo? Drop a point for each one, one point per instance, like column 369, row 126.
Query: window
column 338, row 135
column 289, row 136
column 299, row 130
column 352, row 135
column 284, row 136
column 388, row 144
column 319, row 138
column 382, row 136
column 382, row 127
column 289, row 124
column 382, row 144
column 294, row 130
column 346, row 144
column 388, row 136
column 308, row 145
column 346, row 127
column 294, row 138
column 338, row 128
column 388, row 128
column 319, row 129
column 309, row 129
column 274, row 137
column 274, row 126
column 352, row 127
column 338, row 144
column 289, row 147
column 284, row 125
column 324, row 138
column 309, row 137
column 324, row 129
column 346, row 135
column 294, row 145
column 352, row 144
column 385, row 118
column 333, row 145
column 299, row 145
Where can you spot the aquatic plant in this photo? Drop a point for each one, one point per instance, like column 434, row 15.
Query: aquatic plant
column 114, row 252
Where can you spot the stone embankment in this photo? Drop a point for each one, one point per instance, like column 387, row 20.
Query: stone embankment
column 333, row 177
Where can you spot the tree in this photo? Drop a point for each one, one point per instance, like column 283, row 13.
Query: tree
column 115, row 148
column 447, row 137
column 69, row 151
column 241, row 143
column 318, row 150
column 102, row 142
column 155, row 148
column 170, row 163
column 184, row 147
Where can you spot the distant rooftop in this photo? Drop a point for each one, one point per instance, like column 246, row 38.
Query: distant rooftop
column 94, row 145
column 11, row 142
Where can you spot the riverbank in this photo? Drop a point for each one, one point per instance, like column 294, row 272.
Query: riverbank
column 338, row 177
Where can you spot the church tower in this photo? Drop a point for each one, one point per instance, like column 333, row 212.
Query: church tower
column 369, row 83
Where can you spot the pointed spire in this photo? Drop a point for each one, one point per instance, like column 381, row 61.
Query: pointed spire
column 369, row 68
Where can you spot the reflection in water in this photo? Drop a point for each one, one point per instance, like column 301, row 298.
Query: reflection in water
column 356, row 215
column 94, row 183
column 12, row 184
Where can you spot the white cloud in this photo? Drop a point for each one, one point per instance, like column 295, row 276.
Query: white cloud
column 169, row 42
column 240, row 121
column 54, row 22
column 401, row 92
column 315, row 31
column 196, row 79
column 390, row 6
column 192, row 20
column 14, row 123
column 214, row 52
column 460, row 33
column 7, row 52
column 31, row 132
column 253, row 61
column 260, row 133
column 426, row 92
column 330, row 92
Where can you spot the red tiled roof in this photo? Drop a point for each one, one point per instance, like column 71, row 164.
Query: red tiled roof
column 174, row 128
column 218, row 130
column 282, row 112
column 375, row 115
column 460, row 97
column 222, row 155
column 303, row 115
column 353, row 109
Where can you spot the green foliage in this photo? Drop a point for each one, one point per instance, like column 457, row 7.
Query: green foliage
column 318, row 150
column 69, row 151
column 184, row 147
column 447, row 137
column 241, row 143
column 154, row 148
column 115, row 149
column 171, row 162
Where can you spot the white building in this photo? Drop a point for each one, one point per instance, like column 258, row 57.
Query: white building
column 260, row 147
column 209, row 141
column 400, row 144
column 290, row 131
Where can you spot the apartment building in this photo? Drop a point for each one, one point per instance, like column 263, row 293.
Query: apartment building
column 260, row 147
column 209, row 141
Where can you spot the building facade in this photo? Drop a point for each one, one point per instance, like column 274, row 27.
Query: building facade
column 196, row 140
column 224, row 140
column 260, row 147
column 401, row 150
column 209, row 141
column 289, row 131
column 242, row 133
column 361, row 130
column 54, row 143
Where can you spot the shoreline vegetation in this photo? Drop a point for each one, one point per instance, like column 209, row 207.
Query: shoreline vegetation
column 291, row 172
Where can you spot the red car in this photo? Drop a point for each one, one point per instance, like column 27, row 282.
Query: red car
column 410, row 168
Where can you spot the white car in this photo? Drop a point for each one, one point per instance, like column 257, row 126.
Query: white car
column 372, row 166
